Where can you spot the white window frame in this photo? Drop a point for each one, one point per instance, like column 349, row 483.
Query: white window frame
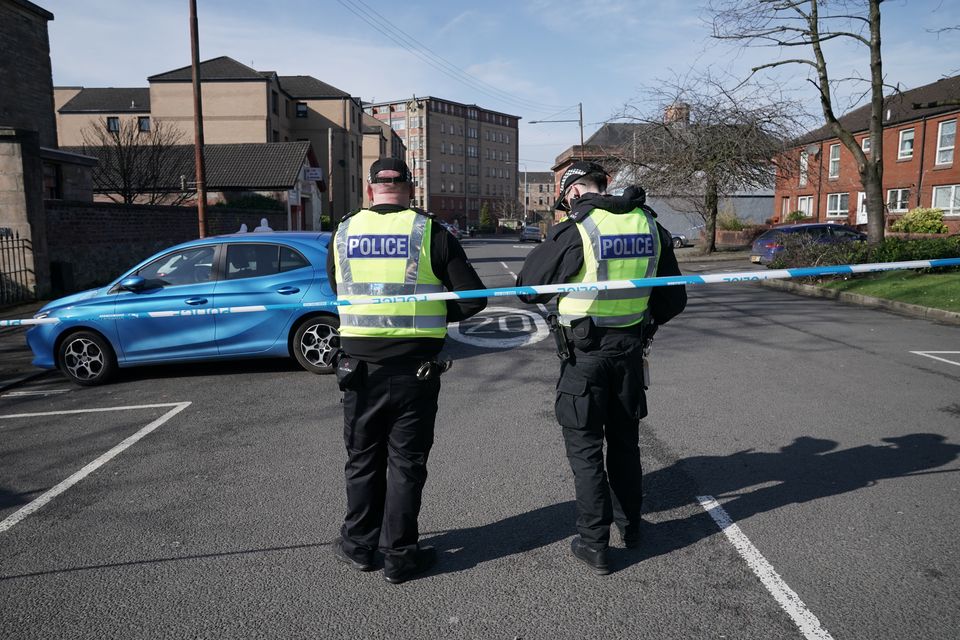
column 838, row 212
column 784, row 207
column 942, row 147
column 901, row 199
column 834, row 166
column 954, row 198
column 900, row 153
column 805, row 204
column 865, row 144
column 804, row 169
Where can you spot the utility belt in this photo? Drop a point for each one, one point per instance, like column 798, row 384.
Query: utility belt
column 353, row 371
column 584, row 335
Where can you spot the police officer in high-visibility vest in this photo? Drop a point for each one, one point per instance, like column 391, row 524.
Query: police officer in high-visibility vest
column 389, row 369
column 600, row 338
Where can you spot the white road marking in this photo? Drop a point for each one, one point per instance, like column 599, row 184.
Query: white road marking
column 24, row 394
column 50, row 494
column 507, row 267
column 543, row 309
column 786, row 597
column 63, row 413
column 533, row 328
column 927, row 354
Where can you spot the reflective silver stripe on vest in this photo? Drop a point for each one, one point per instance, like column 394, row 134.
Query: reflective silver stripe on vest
column 384, row 289
column 343, row 263
column 392, row 322
column 416, row 244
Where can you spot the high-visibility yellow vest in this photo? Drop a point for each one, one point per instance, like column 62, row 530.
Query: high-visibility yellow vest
column 387, row 255
column 615, row 247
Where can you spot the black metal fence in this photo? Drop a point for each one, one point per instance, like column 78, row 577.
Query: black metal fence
column 16, row 273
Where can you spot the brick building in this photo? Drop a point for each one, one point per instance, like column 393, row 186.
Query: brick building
column 537, row 193
column 462, row 156
column 379, row 141
column 920, row 167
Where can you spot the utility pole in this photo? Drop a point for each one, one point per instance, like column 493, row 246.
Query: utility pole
column 578, row 120
column 198, row 122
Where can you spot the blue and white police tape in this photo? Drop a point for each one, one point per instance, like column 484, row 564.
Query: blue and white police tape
column 640, row 283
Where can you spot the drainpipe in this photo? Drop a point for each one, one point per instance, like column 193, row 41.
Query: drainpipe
column 923, row 147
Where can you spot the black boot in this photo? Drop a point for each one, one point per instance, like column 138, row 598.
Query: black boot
column 341, row 555
column 630, row 536
column 397, row 570
column 596, row 559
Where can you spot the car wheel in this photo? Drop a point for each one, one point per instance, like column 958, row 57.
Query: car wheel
column 315, row 343
column 677, row 243
column 86, row 358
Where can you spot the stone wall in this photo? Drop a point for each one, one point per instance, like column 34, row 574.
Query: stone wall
column 26, row 97
column 21, row 200
column 90, row 244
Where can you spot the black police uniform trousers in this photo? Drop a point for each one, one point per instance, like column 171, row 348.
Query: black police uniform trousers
column 388, row 431
column 600, row 396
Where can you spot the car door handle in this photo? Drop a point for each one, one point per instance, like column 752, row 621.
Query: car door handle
column 286, row 291
column 196, row 301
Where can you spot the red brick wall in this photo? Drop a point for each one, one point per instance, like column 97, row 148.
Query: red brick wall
column 90, row 244
column 919, row 174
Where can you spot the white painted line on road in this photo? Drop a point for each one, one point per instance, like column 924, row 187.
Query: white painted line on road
column 927, row 354
column 786, row 597
column 543, row 309
column 50, row 494
column 63, row 413
column 507, row 267
column 25, row 394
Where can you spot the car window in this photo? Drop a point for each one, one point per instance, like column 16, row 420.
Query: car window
column 846, row 234
column 816, row 232
column 189, row 266
column 291, row 259
column 247, row 260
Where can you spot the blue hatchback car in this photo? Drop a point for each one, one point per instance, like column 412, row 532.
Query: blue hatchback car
column 202, row 284
column 766, row 247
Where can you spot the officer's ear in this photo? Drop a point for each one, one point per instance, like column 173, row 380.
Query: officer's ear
column 369, row 192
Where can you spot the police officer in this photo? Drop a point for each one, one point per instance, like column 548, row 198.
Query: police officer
column 388, row 369
column 601, row 337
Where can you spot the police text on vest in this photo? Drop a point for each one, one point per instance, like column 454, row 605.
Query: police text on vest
column 378, row 246
column 635, row 245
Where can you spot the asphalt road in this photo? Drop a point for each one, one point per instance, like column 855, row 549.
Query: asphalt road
column 830, row 444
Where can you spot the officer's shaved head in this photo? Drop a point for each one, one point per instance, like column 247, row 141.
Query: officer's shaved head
column 390, row 192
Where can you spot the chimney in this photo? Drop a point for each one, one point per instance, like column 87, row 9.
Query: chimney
column 677, row 112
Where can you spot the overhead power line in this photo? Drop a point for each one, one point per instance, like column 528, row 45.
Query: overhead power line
column 412, row 45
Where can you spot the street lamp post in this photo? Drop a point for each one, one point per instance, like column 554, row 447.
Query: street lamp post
column 579, row 120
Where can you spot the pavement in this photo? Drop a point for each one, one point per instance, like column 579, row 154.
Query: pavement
column 15, row 357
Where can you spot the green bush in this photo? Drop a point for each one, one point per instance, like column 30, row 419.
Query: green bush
column 921, row 220
column 486, row 220
column 802, row 251
column 795, row 216
column 730, row 222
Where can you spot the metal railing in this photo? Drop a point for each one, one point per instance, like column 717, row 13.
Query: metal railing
column 16, row 273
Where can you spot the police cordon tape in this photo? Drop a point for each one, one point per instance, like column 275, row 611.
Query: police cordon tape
column 640, row 283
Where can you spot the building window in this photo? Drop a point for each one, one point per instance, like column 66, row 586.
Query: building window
column 301, row 109
column 865, row 144
column 113, row 124
column 276, row 136
column 804, row 168
column 906, row 145
column 275, row 102
column 947, row 199
column 805, row 204
column 834, row 171
column 838, row 205
column 143, row 123
column 946, row 141
column 898, row 199
column 784, row 208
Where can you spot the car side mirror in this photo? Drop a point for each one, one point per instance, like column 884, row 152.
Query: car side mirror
column 133, row 283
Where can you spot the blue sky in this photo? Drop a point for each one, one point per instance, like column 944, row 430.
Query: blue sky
column 545, row 55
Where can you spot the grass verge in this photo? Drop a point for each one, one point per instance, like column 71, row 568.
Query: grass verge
column 937, row 290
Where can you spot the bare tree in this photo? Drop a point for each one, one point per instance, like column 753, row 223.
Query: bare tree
column 806, row 25
column 695, row 142
column 137, row 165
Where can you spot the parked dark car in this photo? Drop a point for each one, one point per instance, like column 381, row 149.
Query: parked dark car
column 766, row 247
column 179, row 306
